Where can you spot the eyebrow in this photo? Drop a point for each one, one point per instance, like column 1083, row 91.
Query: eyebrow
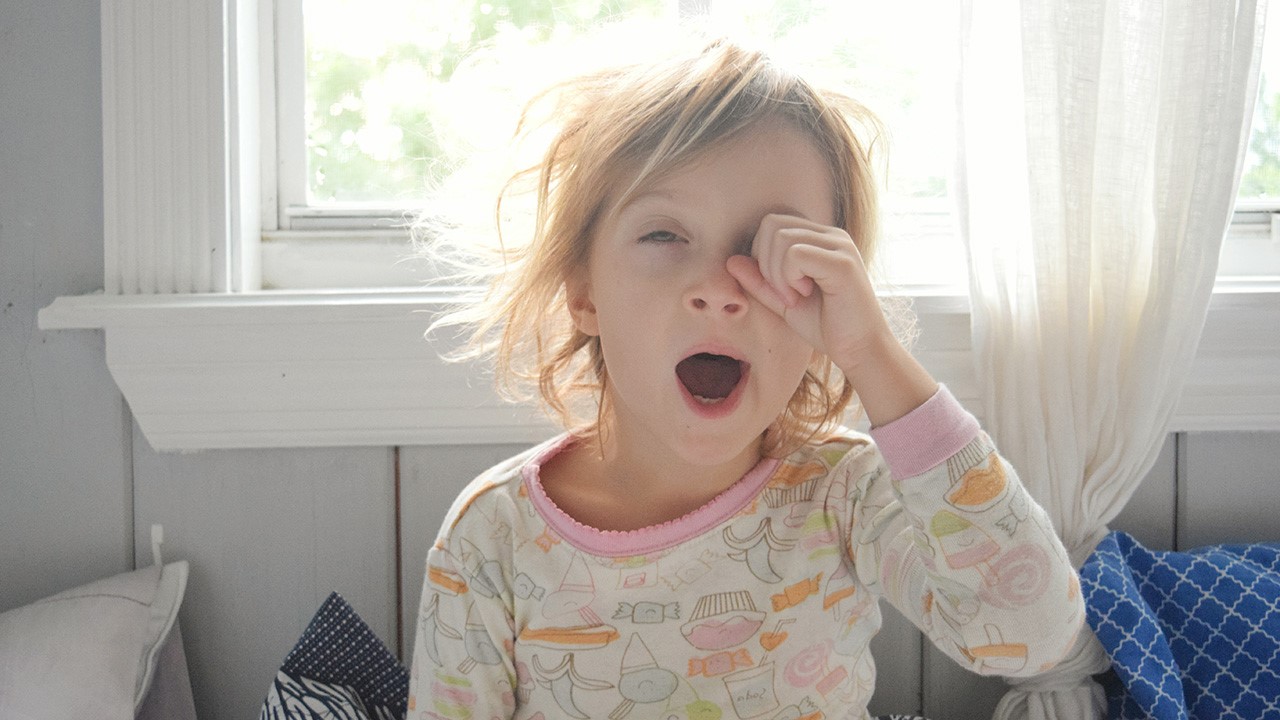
column 667, row 195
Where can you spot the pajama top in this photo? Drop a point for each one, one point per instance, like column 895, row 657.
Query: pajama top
column 759, row 604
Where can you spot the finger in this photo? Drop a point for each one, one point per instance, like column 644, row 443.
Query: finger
column 834, row 272
column 746, row 270
column 764, row 250
column 770, row 249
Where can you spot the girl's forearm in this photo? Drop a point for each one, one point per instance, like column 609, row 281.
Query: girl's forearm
column 889, row 381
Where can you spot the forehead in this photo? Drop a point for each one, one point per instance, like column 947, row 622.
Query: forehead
column 773, row 167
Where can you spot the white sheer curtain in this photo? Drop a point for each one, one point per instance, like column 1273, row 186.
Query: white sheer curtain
column 1100, row 148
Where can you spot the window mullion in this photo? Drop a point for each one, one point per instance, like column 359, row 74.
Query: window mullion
column 290, row 121
column 694, row 8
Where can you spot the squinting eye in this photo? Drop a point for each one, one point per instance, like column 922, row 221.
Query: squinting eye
column 660, row 236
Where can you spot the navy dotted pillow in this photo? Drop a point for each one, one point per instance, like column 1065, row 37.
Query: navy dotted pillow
column 338, row 669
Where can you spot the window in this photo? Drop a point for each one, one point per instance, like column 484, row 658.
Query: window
column 203, row 364
column 378, row 121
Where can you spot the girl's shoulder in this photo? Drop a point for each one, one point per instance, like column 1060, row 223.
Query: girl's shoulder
column 824, row 462
column 839, row 447
column 496, row 495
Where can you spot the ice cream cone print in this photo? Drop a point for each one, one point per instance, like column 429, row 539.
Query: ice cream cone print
column 486, row 575
column 701, row 709
column 576, row 592
column 480, row 648
column 641, row 680
column 963, row 543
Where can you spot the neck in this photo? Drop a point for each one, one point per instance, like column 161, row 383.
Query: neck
column 632, row 468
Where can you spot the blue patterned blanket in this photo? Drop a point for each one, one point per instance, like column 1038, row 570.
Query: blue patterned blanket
column 1191, row 634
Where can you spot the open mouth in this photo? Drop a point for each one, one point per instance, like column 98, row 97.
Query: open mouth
column 710, row 378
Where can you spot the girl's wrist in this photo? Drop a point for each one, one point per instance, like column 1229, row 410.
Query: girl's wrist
column 889, row 381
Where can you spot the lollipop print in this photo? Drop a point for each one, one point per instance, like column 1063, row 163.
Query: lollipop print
column 1019, row 577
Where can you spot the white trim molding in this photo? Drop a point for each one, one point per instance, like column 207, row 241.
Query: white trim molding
column 292, row 370
column 179, row 89
column 341, row 368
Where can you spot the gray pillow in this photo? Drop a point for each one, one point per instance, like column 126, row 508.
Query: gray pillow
column 92, row 651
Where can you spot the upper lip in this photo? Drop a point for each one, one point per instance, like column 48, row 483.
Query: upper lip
column 715, row 348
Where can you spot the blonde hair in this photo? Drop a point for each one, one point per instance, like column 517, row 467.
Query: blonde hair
column 642, row 121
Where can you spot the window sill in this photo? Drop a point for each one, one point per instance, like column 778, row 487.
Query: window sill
column 205, row 371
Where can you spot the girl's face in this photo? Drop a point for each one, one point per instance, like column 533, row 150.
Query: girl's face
column 695, row 366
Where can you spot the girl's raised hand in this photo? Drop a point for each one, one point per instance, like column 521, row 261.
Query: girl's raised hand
column 812, row 275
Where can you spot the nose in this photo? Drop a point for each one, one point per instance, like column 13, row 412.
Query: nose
column 717, row 291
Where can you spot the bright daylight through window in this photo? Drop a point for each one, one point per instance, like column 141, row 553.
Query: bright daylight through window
column 383, row 118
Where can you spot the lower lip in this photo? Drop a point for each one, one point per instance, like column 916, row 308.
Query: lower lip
column 724, row 407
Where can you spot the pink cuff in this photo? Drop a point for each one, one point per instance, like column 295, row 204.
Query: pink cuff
column 925, row 437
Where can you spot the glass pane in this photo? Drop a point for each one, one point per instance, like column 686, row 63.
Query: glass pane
column 899, row 60
column 1261, row 178
column 378, row 96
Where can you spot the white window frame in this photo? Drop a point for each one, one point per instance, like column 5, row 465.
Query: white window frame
column 204, row 364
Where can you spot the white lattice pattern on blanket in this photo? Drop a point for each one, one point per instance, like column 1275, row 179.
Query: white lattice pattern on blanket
column 1190, row 634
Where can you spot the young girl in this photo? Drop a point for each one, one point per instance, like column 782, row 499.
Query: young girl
column 711, row 544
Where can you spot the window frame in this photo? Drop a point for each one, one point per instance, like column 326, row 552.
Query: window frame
column 204, row 364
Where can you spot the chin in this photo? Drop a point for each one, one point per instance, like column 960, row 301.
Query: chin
column 711, row 449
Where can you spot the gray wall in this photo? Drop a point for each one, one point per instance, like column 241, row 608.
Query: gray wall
column 66, row 505
column 270, row 532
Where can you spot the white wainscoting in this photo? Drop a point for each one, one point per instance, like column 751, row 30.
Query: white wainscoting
column 269, row 533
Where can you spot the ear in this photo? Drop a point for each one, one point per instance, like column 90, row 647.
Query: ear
column 581, row 308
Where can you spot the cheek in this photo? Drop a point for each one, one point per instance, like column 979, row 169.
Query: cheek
column 790, row 351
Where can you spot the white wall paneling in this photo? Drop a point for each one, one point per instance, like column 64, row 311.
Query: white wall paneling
column 1229, row 489
column 899, row 654
column 1151, row 514
column 269, row 534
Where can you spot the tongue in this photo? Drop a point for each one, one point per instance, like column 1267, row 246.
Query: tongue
column 709, row 376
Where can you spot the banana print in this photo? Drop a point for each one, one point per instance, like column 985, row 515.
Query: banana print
column 756, row 550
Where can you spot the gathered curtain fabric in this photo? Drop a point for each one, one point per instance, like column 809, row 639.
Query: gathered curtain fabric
column 1100, row 146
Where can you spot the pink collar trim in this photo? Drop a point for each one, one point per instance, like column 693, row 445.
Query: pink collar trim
column 655, row 538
